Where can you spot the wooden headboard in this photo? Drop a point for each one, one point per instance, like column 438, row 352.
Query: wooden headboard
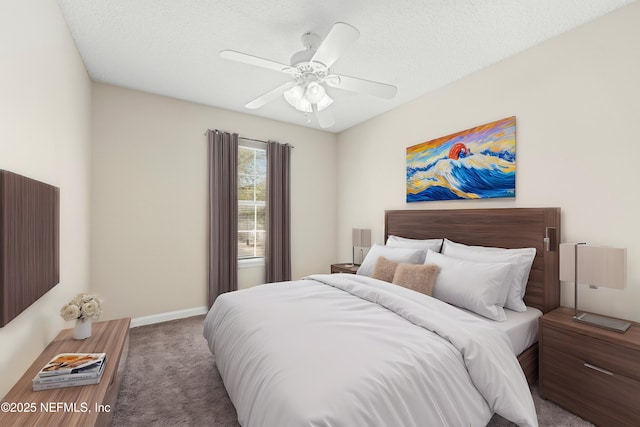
column 506, row 228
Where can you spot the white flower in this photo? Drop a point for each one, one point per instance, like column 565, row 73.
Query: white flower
column 70, row 312
column 82, row 307
column 91, row 309
column 77, row 300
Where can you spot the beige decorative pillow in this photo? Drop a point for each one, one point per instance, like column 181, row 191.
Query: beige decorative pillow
column 420, row 278
column 384, row 269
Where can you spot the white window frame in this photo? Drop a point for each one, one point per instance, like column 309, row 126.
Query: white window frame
column 255, row 261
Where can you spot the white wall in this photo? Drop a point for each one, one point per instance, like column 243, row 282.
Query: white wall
column 149, row 198
column 44, row 134
column 575, row 99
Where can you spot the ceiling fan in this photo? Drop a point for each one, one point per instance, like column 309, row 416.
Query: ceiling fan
column 310, row 72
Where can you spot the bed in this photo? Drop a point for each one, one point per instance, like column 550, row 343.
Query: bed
column 507, row 228
column 346, row 350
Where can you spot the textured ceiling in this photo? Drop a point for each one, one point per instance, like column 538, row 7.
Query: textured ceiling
column 170, row 47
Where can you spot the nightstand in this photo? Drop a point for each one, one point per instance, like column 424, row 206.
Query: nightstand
column 344, row 268
column 590, row 371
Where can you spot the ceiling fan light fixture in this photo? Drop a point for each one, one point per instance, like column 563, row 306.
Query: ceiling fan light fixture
column 303, row 99
column 297, row 99
column 294, row 95
column 315, row 92
column 305, row 106
column 324, row 102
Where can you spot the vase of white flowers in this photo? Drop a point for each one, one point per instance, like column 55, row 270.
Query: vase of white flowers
column 83, row 308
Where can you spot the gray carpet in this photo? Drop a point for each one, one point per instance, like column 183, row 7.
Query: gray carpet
column 171, row 380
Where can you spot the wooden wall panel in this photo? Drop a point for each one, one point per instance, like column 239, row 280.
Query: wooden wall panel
column 29, row 242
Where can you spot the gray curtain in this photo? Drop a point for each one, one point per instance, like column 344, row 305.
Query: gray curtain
column 223, row 213
column 278, row 246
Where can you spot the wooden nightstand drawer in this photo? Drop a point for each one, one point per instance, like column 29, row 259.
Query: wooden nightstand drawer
column 612, row 357
column 603, row 397
column 592, row 372
column 344, row 268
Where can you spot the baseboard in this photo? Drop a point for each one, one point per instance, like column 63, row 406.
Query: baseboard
column 165, row 317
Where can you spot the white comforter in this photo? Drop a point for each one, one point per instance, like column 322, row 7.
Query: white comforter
column 345, row 350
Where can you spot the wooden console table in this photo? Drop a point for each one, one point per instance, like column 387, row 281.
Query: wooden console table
column 89, row 405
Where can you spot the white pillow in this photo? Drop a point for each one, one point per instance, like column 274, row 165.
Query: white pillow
column 425, row 245
column 408, row 255
column 521, row 259
column 477, row 286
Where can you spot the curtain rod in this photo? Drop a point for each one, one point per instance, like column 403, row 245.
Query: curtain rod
column 249, row 139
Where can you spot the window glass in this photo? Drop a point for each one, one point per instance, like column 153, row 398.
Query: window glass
column 252, row 185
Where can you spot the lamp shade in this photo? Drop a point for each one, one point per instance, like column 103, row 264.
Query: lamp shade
column 296, row 98
column 597, row 265
column 361, row 237
column 315, row 92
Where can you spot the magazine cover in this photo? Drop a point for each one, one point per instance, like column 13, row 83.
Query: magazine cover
column 71, row 363
column 89, row 372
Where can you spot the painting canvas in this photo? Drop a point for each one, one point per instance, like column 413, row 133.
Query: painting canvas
column 476, row 163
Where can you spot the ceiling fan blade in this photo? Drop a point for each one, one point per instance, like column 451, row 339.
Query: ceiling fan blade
column 256, row 61
column 325, row 117
column 337, row 41
column 355, row 84
column 269, row 96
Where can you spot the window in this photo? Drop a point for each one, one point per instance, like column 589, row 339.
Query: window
column 252, row 185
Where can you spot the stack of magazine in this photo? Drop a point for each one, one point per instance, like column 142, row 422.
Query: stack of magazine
column 70, row 369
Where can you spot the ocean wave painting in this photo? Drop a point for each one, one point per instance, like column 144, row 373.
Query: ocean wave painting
column 477, row 163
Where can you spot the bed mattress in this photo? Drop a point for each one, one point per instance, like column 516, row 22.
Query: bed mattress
column 345, row 350
column 520, row 327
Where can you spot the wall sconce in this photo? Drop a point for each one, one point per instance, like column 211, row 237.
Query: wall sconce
column 360, row 238
column 594, row 266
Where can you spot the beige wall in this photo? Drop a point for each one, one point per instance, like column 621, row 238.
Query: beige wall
column 149, row 193
column 44, row 134
column 576, row 102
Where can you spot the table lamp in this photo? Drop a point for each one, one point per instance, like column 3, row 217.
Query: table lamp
column 594, row 266
column 360, row 238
